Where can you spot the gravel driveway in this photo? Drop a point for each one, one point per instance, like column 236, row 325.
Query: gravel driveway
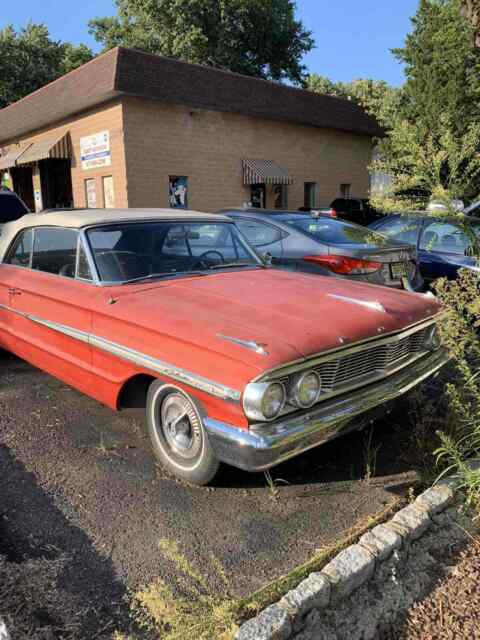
column 78, row 478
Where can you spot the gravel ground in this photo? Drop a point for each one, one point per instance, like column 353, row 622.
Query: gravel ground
column 452, row 609
column 79, row 479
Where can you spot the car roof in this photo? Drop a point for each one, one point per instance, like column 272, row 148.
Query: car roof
column 81, row 218
column 262, row 212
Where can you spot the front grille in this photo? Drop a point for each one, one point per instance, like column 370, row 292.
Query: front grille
column 372, row 360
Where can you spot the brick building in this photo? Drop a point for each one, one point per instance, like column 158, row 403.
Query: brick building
column 129, row 129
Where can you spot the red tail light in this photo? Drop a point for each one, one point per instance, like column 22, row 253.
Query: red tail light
column 333, row 213
column 344, row 265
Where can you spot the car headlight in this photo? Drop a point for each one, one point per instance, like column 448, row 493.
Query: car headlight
column 305, row 389
column 263, row 400
column 432, row 339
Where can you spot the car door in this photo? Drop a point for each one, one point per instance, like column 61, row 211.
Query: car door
column 264, row 236
column 51, row 317
column 441, row 250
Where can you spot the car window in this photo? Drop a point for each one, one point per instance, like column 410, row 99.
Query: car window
column 258, row 233
column 83, row 268
column 401, row 229
column 55, row 251
column 139, row 250
column 447, row 237
column 335, row 231
column 21, row 250
column 11, row 207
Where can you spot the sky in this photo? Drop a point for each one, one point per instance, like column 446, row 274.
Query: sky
column 353, row 38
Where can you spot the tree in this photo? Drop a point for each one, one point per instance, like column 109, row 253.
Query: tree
column 377, row 97
column 472, row 11
column 255, row 37
column 29, row 59
column 442, row 66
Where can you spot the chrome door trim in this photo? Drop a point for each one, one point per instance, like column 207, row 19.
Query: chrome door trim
column 137, row 357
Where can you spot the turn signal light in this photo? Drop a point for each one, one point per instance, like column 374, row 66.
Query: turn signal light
column 344, row 265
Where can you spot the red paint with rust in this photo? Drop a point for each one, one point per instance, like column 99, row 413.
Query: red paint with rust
column 181, row 322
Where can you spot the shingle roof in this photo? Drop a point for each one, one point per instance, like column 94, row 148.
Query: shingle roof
column 121, row 72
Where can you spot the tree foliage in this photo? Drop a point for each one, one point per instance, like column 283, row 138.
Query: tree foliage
column 442, row 66
column 29, row 59
column 377, row 97
column 255, row 37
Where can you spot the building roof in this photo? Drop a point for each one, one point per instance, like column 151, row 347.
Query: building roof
column 80, row 218
column 128, row 72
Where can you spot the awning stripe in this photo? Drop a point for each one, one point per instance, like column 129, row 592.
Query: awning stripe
column 264, row 172
column 45, row 149
column 9, row 159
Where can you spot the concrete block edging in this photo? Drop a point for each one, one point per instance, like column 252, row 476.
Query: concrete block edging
column 351, row 568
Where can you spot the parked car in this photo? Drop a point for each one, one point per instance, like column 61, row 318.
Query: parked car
column 326, row 246
column 358, row 210
column 11, row 206
column 232, row 360
column 444, row 244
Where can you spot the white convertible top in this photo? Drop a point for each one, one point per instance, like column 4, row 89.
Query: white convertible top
column 80, row 218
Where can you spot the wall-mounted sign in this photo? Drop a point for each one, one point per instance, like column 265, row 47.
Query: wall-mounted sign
column 178, row 192
column 108, row 194
column 90, row 193
column 95, row 151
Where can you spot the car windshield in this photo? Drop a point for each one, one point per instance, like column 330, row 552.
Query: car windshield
column 11, row 207
column 335, row 232
column 136, row 251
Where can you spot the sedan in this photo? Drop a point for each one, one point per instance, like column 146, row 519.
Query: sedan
column 232, row 361
column 322, row 245
column 444, row 244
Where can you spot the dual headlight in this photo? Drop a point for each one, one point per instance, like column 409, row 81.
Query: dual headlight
column 266, row 400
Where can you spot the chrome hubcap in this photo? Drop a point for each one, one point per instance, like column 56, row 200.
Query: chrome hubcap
column 180, row 425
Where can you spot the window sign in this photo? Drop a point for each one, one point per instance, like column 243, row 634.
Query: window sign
column 178, row 192
column 90, row 193
column 108, row 195
column 95, row 151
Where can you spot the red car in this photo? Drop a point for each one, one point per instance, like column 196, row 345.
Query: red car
column 234, row 361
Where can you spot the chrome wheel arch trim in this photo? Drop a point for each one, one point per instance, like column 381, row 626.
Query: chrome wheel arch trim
column 138, row 358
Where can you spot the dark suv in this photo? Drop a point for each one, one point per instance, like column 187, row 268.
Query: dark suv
column 358, row 210
column 11, row 206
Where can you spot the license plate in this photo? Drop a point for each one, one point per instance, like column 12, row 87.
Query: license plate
column 399, row 270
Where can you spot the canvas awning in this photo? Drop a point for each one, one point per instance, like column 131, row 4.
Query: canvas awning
column 9, row 159
column 264, row 172
column 45, row 149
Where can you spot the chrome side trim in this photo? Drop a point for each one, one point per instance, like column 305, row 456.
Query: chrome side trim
column 137, row 357
column 268, row 444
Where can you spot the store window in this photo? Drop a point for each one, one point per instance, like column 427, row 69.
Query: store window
column 280, row 196
column 108, row 193
column 345, row 190
column 178, row 192
column 90, row 193
column 310, row 195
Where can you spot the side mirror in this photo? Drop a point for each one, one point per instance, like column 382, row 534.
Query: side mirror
column 267, row 259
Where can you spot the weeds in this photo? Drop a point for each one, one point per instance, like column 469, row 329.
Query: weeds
column 460, row 334
column 370, row 453
column 272, row 485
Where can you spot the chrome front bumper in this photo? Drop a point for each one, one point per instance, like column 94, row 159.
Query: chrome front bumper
column 266, row 445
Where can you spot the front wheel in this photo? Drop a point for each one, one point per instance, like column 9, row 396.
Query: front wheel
column 178, row 438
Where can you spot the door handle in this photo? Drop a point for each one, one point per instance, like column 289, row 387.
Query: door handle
column 14, row 292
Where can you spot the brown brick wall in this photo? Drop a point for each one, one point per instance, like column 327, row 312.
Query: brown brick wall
column 107, row 117
column 208, row 147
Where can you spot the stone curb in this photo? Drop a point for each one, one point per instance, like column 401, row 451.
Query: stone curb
column 351, row 568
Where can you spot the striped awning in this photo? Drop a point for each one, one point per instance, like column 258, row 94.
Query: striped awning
column 264, row 172
column 45, row 149
column 9, row 159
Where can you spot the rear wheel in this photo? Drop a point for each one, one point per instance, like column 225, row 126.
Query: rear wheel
column 178, row 438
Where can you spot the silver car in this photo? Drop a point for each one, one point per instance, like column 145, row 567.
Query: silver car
column 328, row 246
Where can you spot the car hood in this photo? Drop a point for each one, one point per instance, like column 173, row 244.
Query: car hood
column 289, row 316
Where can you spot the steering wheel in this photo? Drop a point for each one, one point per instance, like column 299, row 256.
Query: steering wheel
column 200, row 259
